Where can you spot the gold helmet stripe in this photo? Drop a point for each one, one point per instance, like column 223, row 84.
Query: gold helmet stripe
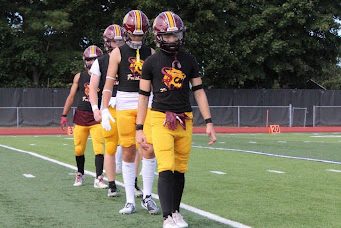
column 170, row 19
column 117, row 31
column 138, row 20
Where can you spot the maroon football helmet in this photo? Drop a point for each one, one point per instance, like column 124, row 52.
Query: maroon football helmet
column 90, row 54
column 168, row 23
column 113, row 33
column 136, row 22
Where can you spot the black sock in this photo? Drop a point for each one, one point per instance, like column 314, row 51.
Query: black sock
column 179, row 184
column 166, row 192
column 112, row 184
column 99, row 161
column 136, row 183
column 80, row 160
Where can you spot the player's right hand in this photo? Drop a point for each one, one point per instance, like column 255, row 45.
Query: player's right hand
column 63, row 122
column 141, row 140
column 97, row 115
column 106, row 117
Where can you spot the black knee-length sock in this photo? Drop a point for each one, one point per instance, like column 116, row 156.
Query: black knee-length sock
column 179, row 184
column 166, row 192
column 99, row 161
column 80, row 160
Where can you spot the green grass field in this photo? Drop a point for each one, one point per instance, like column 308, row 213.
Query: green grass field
column 256, row 190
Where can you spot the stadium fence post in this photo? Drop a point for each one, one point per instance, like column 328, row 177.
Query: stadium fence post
column 290, row 115
column 17, row 117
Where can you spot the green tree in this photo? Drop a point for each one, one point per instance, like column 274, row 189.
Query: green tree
column 238, row 44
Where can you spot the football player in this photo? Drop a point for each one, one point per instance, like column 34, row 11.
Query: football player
column 112, row 37
column 84, row 120
column 170, row 72
column 126, row 62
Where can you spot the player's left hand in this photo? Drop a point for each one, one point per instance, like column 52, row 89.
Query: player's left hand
column 106, row 117
column 63, row 122
column 211, row 133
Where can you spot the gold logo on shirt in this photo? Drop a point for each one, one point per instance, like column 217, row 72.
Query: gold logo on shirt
column 136, row 68
column 172, row 78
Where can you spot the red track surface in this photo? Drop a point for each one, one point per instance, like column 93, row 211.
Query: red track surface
column 58, row 131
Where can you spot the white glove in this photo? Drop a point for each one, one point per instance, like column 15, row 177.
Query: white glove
column 106, row 117
column 112, row 102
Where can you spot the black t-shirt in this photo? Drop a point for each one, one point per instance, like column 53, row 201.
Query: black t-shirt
column 129, row 71
column 170, row 83
column 83, row 92
column 103, row 62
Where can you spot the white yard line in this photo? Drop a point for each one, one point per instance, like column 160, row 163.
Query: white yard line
column 326, row 136
column 198, row 211
column 333, row 170
column 275, row 171
column 217, row 172
column 268, row 154
column 28, row 175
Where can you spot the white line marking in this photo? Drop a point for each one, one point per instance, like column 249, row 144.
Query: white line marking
column 334, row 170
column 326, row 136
column 252, row 142
column 32, row 144
column 198, row 211
column 28, row 175
column 274, row 171
column 268, row 154
column 218, row 172
column 221, row 142
column 64, row 144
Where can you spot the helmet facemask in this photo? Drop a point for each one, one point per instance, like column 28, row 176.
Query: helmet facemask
column 108, row 44
column 88, row 62
column 132, row 42
column 170, row 47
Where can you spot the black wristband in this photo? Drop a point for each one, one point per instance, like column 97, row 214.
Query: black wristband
column 208, row 120
column 64, row 115
column 139, row 127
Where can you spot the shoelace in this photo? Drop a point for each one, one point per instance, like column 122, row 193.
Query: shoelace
column 129, row 205
column 177, row 216
column 78, row 178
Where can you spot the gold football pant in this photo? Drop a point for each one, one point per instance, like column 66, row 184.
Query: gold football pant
column 171, row 148
column 80, row 138
column 111, row 137
column 126, row 123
